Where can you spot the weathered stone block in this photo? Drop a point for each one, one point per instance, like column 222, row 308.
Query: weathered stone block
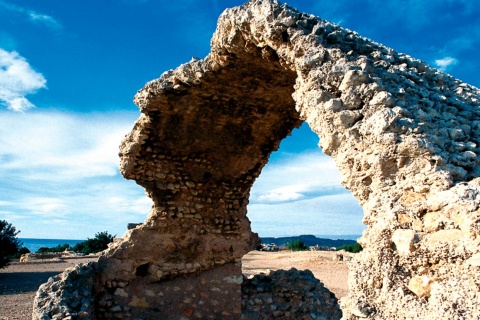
column 404, row 241
column 421, row 286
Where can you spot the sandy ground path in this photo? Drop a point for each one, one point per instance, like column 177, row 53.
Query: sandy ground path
column 333, row 274
column 20, row 281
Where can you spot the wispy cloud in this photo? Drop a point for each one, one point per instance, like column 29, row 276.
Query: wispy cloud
column 46, row 206
column 45, row 19
column 283, row 194
column 60, row 170
column 32, row 15
column 446, row 63
column 17, row 79
column 297, row 176
column 297, row 192
column 60, row 146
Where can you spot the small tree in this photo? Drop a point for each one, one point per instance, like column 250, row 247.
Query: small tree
column 58, row 248
column 22, row 250
column 9, row 243
column 97, row 244
column 297, row 245
column 354, row 248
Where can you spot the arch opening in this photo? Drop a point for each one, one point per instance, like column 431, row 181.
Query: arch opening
column 298, row 196
column 299, row 192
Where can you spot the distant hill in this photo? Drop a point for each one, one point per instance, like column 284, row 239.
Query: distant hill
column 308, row 240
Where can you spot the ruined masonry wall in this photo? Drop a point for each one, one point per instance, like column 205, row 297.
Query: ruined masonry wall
column 288, row 294
column 404, row 136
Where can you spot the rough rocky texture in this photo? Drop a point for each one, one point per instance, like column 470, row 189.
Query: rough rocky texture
column 288, row 294
column 205, row 295
column 68, row 295
column 404, row 136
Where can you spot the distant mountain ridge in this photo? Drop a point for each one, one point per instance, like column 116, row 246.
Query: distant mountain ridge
column 308, row 240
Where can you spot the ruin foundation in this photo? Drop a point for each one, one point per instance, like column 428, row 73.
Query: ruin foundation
column 404, row 136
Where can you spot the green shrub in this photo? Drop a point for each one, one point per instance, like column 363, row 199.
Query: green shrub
column 297, row 245
column 354, row 248
column 97, row 244
column 9, row 243
column 19, row 253
column 59, row 248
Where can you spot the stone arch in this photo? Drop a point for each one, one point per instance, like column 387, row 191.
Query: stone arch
column 403, row 135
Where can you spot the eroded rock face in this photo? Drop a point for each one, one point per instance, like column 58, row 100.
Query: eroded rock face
column 68, row 295
column 404, row 136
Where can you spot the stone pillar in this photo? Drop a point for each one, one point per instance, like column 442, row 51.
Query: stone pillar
column 206, row 131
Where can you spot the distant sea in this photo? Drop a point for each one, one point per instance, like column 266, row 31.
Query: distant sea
column 34, row 244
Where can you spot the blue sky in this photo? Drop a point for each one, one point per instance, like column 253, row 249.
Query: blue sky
column 69, row 71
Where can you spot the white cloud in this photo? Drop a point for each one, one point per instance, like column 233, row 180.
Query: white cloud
column 297, row 191
column 283, row 194
column 45, row 19
column 17, row 79
column 445, row 63
column 60, row 146
column 60, row 176
column 297, row 176
column 49, row 206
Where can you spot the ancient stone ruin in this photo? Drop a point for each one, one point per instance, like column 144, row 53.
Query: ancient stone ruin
column 404, row 136
column 288, row 294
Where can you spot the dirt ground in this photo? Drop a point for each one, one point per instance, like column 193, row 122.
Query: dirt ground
column 333, row 274
column 20, row 281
